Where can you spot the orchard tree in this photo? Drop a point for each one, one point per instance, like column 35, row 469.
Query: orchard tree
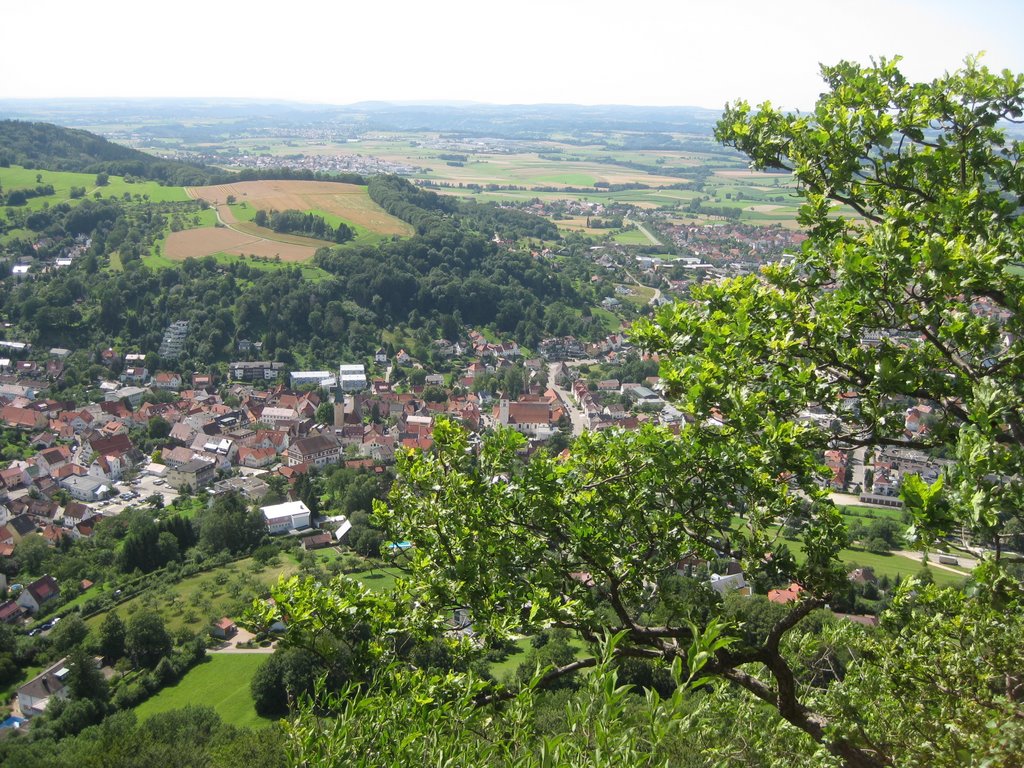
column 904, row 294
column 146, row 639
column 112, row 637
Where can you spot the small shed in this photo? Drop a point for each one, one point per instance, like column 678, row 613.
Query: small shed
column 223, row 628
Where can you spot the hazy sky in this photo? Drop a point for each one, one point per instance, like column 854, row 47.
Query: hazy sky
column 679, row 52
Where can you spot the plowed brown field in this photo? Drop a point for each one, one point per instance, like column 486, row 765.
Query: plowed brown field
column 209, row 240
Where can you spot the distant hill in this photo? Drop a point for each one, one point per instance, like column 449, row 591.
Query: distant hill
column 51, row 147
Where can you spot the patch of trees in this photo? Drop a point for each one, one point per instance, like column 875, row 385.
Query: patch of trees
column 421, row 208
column 698, row 206
column 308, row 224
column 194, row 736
column 17, row 197
column 453, row 271
column 286, row 174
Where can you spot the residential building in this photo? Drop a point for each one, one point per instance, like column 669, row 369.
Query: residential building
column 173, row 343
column 11, row 612
column 35, row 695
column 194, row 474
column 263, row 370
column 38, row 593
column 533, row 419
column 167, row 380
column 317, row 451
column 352, row 378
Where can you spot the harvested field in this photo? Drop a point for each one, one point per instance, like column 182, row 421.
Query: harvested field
column 348, row 201
column 209, row 240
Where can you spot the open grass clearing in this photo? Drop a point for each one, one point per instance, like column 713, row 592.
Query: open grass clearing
column 640, row 295
column 885, row 564
column 220, row 681
column 631, row 237
column 16, row 177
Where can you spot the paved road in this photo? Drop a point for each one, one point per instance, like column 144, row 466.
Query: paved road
column 580, row 423
column 962, row 563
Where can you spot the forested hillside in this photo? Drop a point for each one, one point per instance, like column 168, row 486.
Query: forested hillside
column 42, row 145
column 453, row 272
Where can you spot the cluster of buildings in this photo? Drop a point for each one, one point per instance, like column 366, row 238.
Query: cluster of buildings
column 50, row 254
column 366, row 165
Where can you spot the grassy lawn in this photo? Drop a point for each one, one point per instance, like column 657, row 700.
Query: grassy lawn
column 641, row 295
column 871, row 513
column 309, row 272
column 222, row 682
column 502, row 669
column 609, row 320
column 364, row 236
column 376, row 579
column 631, row 237
column 885, row 564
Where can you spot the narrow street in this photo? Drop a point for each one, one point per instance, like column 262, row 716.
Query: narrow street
column 576, row 415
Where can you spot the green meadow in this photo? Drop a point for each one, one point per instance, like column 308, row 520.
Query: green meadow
column 16, row 177
column 220, row 681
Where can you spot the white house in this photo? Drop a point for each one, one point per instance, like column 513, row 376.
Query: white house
column 36, row 694
column 281, row 518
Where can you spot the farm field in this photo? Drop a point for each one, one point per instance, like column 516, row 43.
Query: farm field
column 565, row 170
column 220, row 681
column 337, row 203
column 207, row 241
column 350, row 202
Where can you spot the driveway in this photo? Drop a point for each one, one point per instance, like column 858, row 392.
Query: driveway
column 241, row 636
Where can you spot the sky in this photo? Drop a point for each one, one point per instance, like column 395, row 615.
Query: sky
column 644, row 52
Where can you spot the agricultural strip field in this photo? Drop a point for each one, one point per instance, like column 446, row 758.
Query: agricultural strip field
column 350, row 202
column 208, row 241
column 220, row 681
